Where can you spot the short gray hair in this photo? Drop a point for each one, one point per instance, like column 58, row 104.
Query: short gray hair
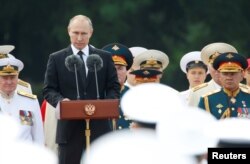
column 81, row 18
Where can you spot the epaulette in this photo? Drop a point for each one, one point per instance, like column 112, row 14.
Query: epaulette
column 212, row 92
column 23, row 83
column 244, row 88
column 26, row 94
column 199, row 87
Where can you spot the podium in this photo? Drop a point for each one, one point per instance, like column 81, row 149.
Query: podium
column 88, row 110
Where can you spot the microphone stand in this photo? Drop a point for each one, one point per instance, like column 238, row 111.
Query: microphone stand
column 87, row 130
column 77, row 87
column 98, row 97
column 96, row 82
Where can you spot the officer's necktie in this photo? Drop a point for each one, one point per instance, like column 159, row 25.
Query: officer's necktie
column 80, row 53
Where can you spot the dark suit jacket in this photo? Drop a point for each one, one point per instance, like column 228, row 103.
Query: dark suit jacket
column 60, row 83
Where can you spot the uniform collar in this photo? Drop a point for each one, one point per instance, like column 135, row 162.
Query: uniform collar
column 5, row 96
column 231, row 93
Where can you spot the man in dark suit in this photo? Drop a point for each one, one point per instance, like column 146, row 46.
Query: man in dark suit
column 60, row 85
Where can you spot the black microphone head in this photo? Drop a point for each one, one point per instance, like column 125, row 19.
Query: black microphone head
column 72, row 60
column 93, row 61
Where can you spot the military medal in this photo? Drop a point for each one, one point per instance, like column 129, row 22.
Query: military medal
column 26, row 117
column 245, row 111
column 243, row 103
column 233, row 100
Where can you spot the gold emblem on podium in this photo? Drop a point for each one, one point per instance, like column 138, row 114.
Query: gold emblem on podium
column 89, row 109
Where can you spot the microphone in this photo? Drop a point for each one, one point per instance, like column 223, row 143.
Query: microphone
column 73, row 64
column 94, row 64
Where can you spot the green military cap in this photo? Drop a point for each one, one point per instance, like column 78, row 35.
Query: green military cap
column 230, row 62
column 121, row 54
column 211, row 51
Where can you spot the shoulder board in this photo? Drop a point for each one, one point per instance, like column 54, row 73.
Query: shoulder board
column 199, row 87
column 244, row 88
column 23, row 83
column 26, row 94
column 210, row 93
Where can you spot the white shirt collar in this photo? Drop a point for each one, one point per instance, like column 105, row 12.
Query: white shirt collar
column 85, row 50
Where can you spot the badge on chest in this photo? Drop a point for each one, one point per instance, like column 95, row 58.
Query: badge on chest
column 26, row 117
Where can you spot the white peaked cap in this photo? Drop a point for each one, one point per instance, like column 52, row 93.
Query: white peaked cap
column 191, row 56
column 235, row 130
column 13, row 62
column 26, row 153
column 131, row 146
column 125, row 146
column 6, row 49
column 146, row 102
column 152, row 54
column 137, row 50
column 185, row 130
column 213, row 48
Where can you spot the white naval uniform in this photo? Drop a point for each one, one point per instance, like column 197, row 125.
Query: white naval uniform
column 200, row 90
column 24, row 86
column 22, row 101
column 185, row 94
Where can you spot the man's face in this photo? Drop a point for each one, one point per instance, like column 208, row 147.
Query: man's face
column 196, row 76
column 8, row 83
column 80, row 32
column 231, row 80
column 121, row 73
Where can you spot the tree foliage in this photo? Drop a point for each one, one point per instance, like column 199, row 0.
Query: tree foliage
column 38, row 28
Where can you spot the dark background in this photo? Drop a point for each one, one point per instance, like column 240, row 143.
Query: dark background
column 38, row 28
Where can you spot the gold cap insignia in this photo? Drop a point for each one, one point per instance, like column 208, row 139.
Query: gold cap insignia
column 212, row 57
column 8, row 70
column 3, row 56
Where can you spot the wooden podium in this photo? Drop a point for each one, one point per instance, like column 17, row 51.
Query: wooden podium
column 90, row 109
